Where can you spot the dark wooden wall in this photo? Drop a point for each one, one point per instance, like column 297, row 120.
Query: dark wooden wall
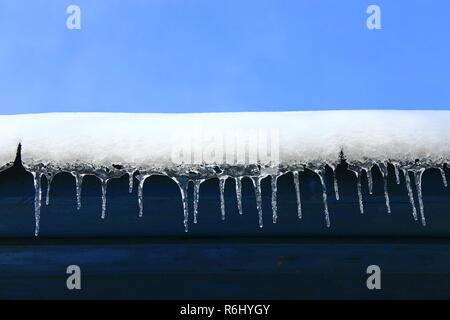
column 124, row 256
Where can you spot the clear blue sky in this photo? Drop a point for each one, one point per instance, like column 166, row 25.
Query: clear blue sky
column 223, row 55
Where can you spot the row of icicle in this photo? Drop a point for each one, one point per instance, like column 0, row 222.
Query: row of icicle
column 255, row 173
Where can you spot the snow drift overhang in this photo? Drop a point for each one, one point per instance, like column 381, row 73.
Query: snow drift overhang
column 141, row 140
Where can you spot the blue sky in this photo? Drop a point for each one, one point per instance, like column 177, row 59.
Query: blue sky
column 223, row 55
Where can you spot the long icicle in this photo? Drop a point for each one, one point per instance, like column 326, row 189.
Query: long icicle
column 335, row 183
column 78, row 185
column 222, row 181
column 384, row 174
column 397, row 173
column 369, row 178
column 320, row 173
column 273, row 182
column 197, row 184
column 418, row 180
column 183, row 183
column 238, row 181
column 444, row 179
column 410, row 193
column 257, row 186
column 37, row 200
column 358, row 187
column 141, row 179
column 104, row 186
column 297, row 192
column 49, row 184
column 130, row 180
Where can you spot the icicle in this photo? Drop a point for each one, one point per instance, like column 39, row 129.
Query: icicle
column 49, row 177
column 183, row 183
column 222, row 181
column 335, row 183
column 320, row 173
column 358, row 172
column 239, row 194
column 369, row 178
column 397, row 174
column 78, row 183
column 444, row 179
column 197, row 184
column 384, row 173
column 257, row 186
column 37, row 199
column 297, row 191
column 360, row 199
column 104, row 186
column 273, row 180
column 410, row 193
column 130, row 180
column 418, row 180
column 141, row 178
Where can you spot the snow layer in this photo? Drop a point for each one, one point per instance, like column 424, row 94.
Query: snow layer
column 148, row 140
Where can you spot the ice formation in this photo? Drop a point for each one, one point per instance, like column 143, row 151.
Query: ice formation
column 192, row 148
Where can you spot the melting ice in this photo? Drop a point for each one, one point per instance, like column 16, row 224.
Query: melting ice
column 186, row 176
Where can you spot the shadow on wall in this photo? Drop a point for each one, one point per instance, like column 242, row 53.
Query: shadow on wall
column 163, row 214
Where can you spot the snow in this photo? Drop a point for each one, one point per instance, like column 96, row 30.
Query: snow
column 148, row 140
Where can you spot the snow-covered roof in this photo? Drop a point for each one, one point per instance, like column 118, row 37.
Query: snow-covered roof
column 103, row 139
column 196, row 147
